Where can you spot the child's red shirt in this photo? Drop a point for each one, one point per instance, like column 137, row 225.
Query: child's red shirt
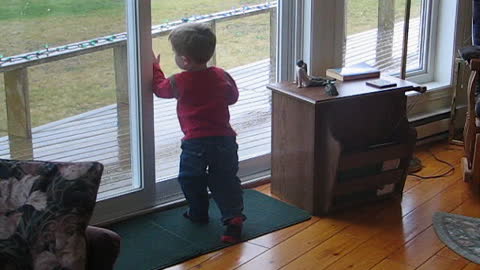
column 202, row 97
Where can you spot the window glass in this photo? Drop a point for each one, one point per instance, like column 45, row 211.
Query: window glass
column 70, row 101
column 245, row 33
column 374, row 30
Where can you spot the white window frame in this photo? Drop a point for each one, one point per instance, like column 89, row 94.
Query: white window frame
column 439, row 77
column 324, row 34
column 289, row 37
column 139, row 47
column 429, row 29
column 440, row 43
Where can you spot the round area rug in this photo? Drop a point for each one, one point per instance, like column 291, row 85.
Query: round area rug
column 459, row 233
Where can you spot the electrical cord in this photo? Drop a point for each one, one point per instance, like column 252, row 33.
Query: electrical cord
column 451, row 170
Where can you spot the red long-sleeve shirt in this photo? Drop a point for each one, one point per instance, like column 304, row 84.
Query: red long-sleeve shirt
column 202, row 97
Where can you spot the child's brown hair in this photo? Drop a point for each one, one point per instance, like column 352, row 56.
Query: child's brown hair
column 194, row 40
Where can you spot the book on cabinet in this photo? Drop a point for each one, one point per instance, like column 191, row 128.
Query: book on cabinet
column 354, row 72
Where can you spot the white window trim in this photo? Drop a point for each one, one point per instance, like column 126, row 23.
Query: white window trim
column 324, row 34
column 288, row 38
column 441, row 44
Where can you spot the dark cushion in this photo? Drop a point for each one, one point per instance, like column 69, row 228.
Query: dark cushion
column 45, row 208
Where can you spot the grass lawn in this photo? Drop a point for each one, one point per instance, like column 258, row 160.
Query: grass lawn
column 72, row 86
column 15, row 9
column 363, row 14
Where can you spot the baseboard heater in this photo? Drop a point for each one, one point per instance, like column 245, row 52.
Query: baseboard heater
column 432, row 128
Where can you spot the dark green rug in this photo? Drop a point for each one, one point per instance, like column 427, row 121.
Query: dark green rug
column 161, row 239
column 459, row 233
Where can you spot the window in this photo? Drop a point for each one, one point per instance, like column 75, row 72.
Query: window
column 375, row 30
column 325, row 31
column 79, row 100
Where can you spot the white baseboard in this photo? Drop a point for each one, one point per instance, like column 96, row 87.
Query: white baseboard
column 433, row 128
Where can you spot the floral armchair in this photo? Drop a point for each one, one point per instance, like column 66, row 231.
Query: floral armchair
column 45, row 208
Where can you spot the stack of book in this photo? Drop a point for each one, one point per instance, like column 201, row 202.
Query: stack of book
column 354, row 72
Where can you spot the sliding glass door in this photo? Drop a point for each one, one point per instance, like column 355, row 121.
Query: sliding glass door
column 77, row 82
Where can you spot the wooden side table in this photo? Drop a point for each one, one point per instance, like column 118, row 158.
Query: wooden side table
column 330, row 152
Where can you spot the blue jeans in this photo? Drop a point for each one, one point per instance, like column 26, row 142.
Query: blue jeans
column 211, row 162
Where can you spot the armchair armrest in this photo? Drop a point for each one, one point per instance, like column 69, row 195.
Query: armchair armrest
column 103, row 248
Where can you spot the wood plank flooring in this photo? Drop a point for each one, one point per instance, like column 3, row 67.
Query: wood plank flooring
column 385, row 235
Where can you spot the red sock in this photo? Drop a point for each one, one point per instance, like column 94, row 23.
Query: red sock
column 233, row 231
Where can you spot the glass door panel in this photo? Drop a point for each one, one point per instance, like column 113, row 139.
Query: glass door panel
column 246, row 40
column 71, row 101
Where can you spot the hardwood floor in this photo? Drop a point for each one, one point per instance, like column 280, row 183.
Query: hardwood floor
column 378, row 236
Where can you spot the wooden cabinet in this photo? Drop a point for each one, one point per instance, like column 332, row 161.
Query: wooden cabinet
column 329, row 152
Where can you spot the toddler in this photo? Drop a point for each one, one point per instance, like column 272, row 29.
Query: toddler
column 209, row 156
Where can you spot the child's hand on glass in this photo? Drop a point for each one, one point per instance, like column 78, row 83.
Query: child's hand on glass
column 156, row 59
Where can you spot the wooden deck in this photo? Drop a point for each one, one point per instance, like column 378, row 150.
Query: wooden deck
column 386, row 235
column 97, row 135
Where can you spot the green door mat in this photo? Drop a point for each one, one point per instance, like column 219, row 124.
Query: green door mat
column 162, row 239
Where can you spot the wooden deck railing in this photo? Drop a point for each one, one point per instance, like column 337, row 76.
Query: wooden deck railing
column 15, row 70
